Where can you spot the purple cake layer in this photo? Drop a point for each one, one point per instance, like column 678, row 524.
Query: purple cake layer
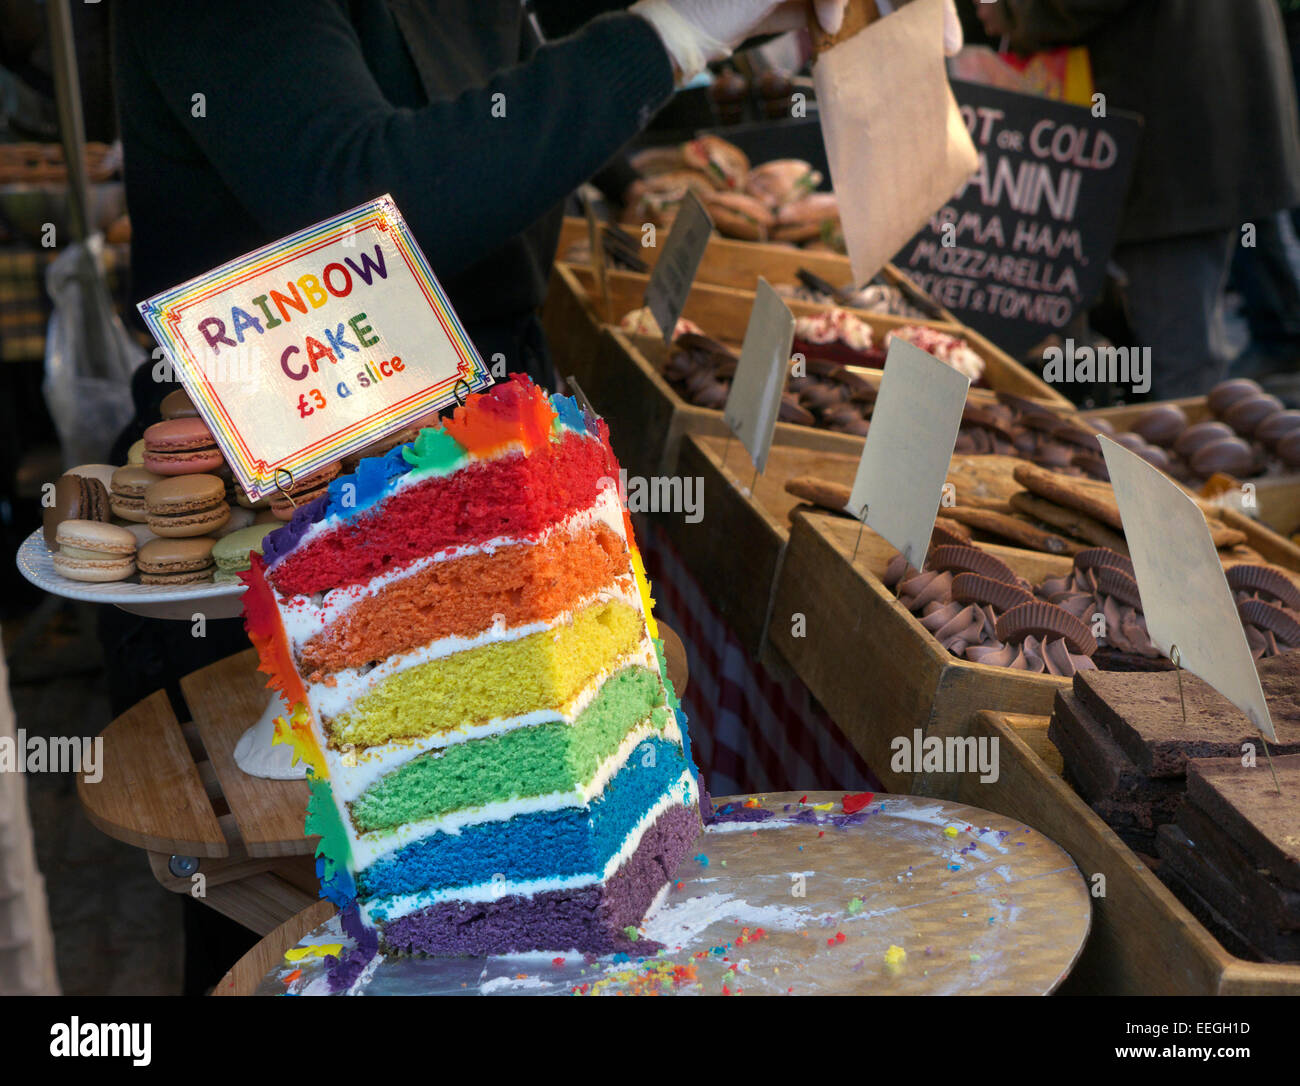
column 590, row 919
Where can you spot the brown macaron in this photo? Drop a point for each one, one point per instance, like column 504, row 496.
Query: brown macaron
column 302, row 491
column 94, row 552
column 176, row 561
column 73, row 497
column 186, row 505
column 127, row 498
column 178, row 405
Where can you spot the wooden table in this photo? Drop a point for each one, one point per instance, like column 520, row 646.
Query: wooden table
column 172, row 788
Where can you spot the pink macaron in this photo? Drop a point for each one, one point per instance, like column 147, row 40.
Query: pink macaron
column 180, row 447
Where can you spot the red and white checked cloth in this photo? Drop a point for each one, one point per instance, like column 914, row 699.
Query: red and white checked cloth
column 749, row 731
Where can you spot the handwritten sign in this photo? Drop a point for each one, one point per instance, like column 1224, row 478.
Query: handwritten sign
column 904, row 463
column 674, row 272
column 1185, row 595
column 754, row 400
column 315, row 346
column 1023, row 244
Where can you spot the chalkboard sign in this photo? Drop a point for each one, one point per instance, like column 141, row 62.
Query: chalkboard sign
column 1024, row 243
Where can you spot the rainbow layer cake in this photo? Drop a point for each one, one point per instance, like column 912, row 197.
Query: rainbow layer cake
column 463, row 632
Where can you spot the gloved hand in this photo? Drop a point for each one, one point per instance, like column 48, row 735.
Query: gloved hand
column 697, row 31
column 953, row 39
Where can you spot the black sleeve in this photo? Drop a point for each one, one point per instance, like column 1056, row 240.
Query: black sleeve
column 1041, row 24
column 297, row 127
column 561, row 17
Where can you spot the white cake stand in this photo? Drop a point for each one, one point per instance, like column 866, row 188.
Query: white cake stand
column 254, row 753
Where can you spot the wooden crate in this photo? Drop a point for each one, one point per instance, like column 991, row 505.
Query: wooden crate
column 723, row 312
column 1144, row 941
column 869, row 661
column 622, row 375
column 728, row 262
column 1278, row 496
column 741, row 577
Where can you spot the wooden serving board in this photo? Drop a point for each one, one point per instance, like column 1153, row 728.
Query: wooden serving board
column 1144, row 941
column 172, row 788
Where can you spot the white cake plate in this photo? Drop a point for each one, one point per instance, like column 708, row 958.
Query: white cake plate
column 179, row 602
column 975, row 902
column 254, row 753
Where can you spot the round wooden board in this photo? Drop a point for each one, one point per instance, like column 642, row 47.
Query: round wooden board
column 806, row 902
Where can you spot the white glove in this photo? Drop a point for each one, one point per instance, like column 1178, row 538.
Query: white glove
column 697, row 31
column 953, row 39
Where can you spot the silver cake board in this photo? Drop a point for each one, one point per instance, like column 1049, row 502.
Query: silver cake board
column 907, row 896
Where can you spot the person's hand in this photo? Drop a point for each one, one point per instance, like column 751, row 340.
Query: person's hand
column 697, row 31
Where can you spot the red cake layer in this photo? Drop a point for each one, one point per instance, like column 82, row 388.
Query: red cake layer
column 516, row 495
column 464, row 596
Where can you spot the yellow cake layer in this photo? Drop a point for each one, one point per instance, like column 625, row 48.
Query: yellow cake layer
column 504, row 679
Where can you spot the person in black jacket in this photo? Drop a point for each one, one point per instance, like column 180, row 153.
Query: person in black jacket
column 244, row 121
column 1219, row 149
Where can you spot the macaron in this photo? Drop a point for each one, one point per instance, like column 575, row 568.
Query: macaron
column 91, row 551
column 73, row 497
column 176, row 561
column 180, row 447
column 127, row 497
column 233, row 552
column 241, row 498
column 303, row 490
column 178, row 405
column 102, row 472
column 186, row 505
column 135, row 454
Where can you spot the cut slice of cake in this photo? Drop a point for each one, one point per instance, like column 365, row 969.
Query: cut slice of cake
column 463, row 630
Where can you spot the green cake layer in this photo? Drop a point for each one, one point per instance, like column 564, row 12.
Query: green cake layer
column 532, row 761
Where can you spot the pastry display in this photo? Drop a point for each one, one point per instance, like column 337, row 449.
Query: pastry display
column 1249, row 434
column 180, row 447
column 1232, row 854
column 497, row 763
column 73, row 497
column 233, row 552
column 776, row 201
column 127, row 497
column 93, row 551
column 176, row 561
column 186, row 505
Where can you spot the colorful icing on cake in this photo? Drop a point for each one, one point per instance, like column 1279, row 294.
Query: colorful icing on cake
column 463, row 630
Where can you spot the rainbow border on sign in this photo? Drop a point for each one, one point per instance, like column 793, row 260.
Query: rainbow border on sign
column 162, row 313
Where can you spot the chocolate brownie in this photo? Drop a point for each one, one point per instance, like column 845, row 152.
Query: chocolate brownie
column 1276, row 904
column 1187, row 871
column 1233, row 941
column 1101, row 766
column 1244, row 802
column 1143, row 713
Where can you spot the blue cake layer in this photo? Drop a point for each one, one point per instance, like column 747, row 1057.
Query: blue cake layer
column 548, row 844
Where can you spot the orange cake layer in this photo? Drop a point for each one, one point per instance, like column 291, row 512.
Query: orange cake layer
column 462, row 597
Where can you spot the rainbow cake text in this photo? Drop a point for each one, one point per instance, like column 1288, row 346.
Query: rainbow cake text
column 463, row 633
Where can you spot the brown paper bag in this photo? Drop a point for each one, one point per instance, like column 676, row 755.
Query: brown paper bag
column 895, row 139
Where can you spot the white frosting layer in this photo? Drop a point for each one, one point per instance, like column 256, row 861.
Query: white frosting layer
column 682, row 793
column 351, row 774
column 304, row 617
column 375, row 845
column 340, row 691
